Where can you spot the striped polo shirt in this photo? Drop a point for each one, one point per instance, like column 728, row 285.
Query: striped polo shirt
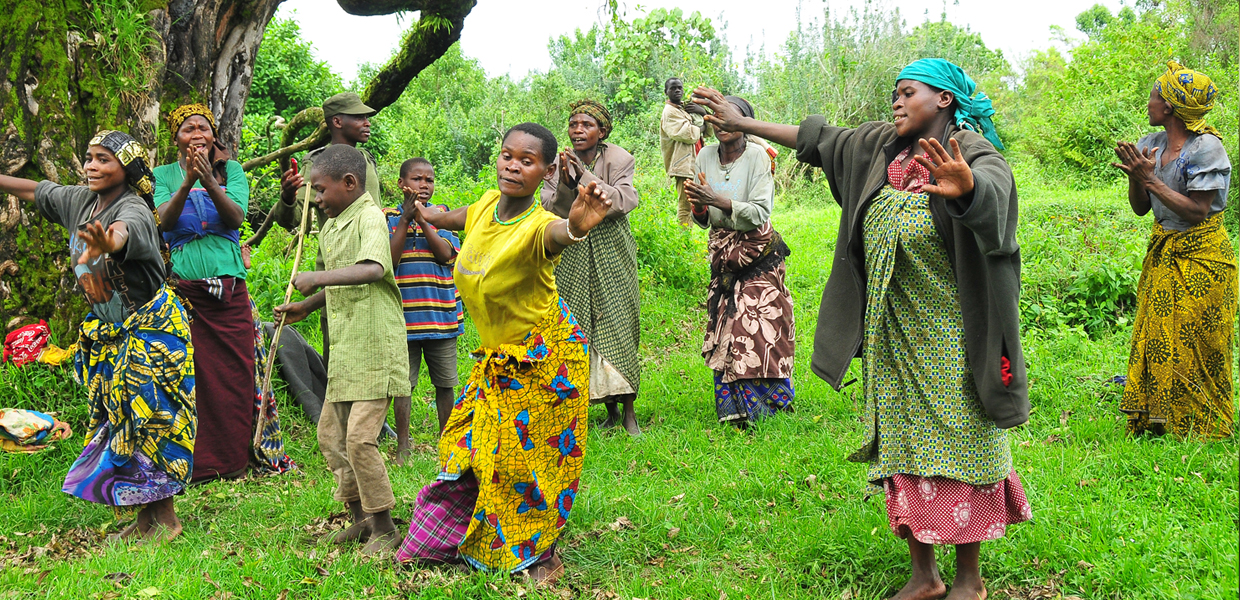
column 432, row 305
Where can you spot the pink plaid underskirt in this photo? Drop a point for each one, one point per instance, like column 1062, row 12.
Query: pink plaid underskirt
column 938, row 510
column 440, row 520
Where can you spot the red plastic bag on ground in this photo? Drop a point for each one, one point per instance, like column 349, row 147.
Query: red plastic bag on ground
column 24, row 344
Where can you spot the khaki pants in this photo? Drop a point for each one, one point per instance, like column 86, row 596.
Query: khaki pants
column 348, row 438
column 683, row 208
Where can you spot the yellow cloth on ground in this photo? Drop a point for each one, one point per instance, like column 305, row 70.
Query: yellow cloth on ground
column 1180, row 364
column 520, row 424
column 503, row 272
column 1191, row 94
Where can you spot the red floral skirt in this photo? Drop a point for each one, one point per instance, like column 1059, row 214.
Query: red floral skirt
column 938, row 510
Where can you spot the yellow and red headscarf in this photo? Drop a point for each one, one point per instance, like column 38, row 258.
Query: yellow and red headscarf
column 1190, row 94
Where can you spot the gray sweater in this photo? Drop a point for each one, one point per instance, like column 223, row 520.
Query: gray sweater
column 979, row 231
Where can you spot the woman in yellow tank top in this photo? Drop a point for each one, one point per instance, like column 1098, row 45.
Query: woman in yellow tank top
column 511, row 453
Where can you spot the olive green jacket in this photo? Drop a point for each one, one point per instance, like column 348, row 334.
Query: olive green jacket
column 979, row 231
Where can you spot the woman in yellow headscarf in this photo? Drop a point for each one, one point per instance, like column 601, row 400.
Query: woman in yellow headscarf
column 1179, row 367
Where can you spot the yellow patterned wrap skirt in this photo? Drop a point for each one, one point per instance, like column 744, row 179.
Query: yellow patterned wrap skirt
column 520, row 426
column 1180, row 363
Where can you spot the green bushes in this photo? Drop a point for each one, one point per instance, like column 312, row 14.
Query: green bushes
column 1081, row 261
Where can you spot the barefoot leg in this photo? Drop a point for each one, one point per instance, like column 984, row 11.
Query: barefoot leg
column 547, row 571
column 613, row 416
column 968, row 584
column 925, row 584
column 443, row 405
column 404, row 409
column 630, row 417
column 357, row 531
column 383, row 534
column 166, row 526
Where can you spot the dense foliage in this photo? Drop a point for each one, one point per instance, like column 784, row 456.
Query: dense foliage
column 1059, row 114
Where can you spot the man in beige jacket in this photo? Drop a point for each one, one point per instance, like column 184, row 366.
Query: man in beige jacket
column 680, row 129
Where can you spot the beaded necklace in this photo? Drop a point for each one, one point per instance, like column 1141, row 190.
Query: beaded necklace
column 527, row 213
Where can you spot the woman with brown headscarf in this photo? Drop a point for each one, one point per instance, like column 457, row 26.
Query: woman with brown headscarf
column 598, row 277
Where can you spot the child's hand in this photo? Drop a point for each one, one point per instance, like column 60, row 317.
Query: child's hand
column 306, row 282
column 291, row 312
column 100, row 241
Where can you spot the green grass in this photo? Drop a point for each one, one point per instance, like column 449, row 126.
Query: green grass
column 713, row 511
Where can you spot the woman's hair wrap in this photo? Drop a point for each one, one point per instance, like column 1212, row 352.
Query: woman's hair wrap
column 1191, row 95
column 596, row 111
column 185, row 111
column 973, row 111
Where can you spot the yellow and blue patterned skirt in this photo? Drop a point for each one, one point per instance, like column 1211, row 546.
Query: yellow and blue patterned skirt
column 510, row 454
column 140, row 380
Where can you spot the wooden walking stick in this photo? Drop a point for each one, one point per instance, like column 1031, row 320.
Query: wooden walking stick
column 268, row 397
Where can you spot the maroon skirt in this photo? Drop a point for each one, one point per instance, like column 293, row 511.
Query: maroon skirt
column 222, row 332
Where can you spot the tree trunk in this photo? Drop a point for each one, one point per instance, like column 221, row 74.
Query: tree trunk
column 69, row 68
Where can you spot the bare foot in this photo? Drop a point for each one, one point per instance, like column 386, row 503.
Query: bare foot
column 402, row 451
column 160, row 532
column 922, row 589
column 630, row 424
column 128, row 534
column 972, row 589
column 548, row 571
column 382, row 542
column 357, row 532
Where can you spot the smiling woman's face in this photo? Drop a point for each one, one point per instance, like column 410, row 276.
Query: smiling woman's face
column 914, row 106
column 103, row 170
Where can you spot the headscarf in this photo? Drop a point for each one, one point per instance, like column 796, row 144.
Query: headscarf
column 972, row 111
column 1191, row 95
column 139, row 177
column 185, row 111
column 745, row 107
column 596, row 111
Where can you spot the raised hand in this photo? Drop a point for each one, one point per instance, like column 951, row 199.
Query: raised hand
column 724, row 115
column 290, row 180
column 1138, row 165
column 954, row 177
column 200, row 163
column 588, row 210
column 701, row 194
column 100, row 241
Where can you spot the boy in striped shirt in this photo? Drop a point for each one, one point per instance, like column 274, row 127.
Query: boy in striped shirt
column 423, row 257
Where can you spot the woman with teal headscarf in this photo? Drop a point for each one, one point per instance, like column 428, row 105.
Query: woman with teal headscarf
column 925, row 289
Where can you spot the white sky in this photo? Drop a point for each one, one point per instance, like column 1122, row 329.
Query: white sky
column 345, row 41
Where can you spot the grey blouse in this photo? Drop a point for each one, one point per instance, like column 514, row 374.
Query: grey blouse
column 1201, row 166
column 747, row 182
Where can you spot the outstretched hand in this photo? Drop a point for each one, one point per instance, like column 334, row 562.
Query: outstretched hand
column 1138, row 165
column 588, row 210
column 100, row 241
column 725, row 115
column 954, row 177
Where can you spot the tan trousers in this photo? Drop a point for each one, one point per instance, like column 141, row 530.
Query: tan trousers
column 348, row 438
column 683, row 208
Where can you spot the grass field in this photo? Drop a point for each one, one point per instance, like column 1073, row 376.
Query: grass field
column 698, row 510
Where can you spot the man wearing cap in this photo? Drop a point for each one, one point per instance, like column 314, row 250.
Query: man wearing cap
column 348, row 122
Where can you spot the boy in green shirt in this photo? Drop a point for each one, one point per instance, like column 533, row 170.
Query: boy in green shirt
column 371, row 364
